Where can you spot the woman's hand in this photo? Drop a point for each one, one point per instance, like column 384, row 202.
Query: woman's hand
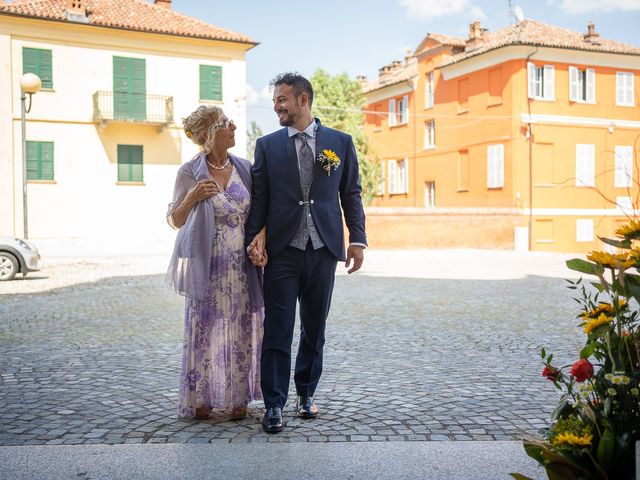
column 201, row 191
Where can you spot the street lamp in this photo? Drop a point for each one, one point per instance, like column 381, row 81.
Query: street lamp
column 30, row 83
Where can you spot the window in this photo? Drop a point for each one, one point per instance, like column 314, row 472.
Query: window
column 624, row 89
column 495, row 86
column 585, row 165
column 463, row 170
column 582, row 85
column 392, row 112
column 495, row 166
column 210, row 82
column 130, row 163
column 429, row 91
column 38, row 61
column 398, row 176
column 623, row 167
column 584, row 230
column 430, row 134
column 129, row 88
column 403, row 110
column 39, row 160
column 463, row 94
column 541, row 81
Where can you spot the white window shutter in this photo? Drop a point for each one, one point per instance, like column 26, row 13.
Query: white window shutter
column 623, row 166
column 549, row 82
column 630, row 78
column 392, row 112
column 531, row 69
column 392, row 176
column 591, row 85
column 495, row 166
column 406, row 175
column 500, row 165
column 584, row 230
column 574, row 84
column 620, row 88
column 405, row 109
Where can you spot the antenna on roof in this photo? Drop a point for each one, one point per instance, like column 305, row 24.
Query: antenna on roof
column 518, row 13
column 510, row 13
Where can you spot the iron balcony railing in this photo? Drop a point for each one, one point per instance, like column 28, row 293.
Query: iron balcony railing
column 132, row 107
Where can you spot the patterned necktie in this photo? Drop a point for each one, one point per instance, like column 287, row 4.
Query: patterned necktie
column 305, row 159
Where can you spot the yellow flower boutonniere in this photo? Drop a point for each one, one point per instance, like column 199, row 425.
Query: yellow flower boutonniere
column 329, row 159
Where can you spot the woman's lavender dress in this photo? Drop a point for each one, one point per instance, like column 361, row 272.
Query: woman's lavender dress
column 222, row 338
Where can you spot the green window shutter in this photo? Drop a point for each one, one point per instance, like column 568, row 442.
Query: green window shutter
column 129, row 88
column 210, row 82
column 38, row 61
column 130, row 163
column 39, row 160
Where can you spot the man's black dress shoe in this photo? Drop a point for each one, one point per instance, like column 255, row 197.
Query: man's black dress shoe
column 306, row 407
column 272, row 421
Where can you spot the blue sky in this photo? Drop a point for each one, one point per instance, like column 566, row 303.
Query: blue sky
column 360, row 36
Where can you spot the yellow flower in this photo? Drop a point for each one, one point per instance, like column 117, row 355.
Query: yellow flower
column 591, row 325
column 331, row 155
column 634, row 391
column 603, row 308
column 612, row 260
column 568, row 438
column 630, row 229
column 329, row 159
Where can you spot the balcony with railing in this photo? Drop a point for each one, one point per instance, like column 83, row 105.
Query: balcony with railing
column 132, row 107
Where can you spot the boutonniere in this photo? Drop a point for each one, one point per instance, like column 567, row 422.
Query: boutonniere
column 329, row 159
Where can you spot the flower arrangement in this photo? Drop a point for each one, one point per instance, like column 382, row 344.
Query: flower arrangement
column 329, row 159
column 595, row 426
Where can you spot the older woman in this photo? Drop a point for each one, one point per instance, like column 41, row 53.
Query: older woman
column 224, row 309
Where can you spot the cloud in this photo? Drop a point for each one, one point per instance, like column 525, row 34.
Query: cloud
column 577, row 7
column 427, row 9
column 254, row 97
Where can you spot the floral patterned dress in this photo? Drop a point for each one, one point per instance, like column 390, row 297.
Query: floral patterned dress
column 222, row 338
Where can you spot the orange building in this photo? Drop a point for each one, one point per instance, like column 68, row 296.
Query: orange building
column 526, row 137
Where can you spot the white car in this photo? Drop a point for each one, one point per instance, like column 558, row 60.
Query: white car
column 17, row 255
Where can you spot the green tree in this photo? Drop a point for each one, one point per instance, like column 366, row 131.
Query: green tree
column 339, row 101
column 253, row 134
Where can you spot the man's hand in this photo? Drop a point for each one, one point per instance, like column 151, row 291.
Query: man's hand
column 355, row 253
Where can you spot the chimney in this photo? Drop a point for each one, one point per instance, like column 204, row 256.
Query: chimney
column 592, row 36
column 408, row 56
column 475, row 36
column 384, row 72
column 163, row 3
column 362, row 80
column 76, row 11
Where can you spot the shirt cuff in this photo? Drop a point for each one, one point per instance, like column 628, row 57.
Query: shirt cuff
column 363, row 245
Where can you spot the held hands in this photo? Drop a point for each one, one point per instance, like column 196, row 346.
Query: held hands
column 202, row 190
column 257, row 249
column 355, row 253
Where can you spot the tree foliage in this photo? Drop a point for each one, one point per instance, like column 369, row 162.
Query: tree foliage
column 338, row 101
column 253, row 134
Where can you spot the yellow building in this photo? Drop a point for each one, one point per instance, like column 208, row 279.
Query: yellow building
column 104, row 137
column 526, row 137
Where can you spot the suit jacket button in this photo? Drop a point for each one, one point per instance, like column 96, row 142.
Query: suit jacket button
column 300, row 203
column 311, row 202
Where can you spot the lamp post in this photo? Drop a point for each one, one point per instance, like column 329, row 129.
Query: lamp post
column 30, row 83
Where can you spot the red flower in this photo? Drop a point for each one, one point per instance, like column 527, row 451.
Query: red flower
column 550, row 373
column 582, row 370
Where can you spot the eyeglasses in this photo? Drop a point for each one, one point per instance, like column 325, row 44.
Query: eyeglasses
column 226, row 123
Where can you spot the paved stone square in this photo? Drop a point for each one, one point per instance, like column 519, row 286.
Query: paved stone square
column 421, row 345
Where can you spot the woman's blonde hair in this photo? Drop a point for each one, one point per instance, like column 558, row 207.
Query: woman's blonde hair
column 199, row 126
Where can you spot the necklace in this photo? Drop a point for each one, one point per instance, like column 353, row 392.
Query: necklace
column 222, row 167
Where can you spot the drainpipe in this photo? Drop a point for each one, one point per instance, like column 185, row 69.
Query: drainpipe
column 530, row 139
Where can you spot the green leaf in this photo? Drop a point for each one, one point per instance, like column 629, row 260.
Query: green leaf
column 597, row 286
column 519, row 476
column 563, row 408
column 626, row 243
column 543, row 353
column 588, row 350
column 583, row 266
column 604, row 452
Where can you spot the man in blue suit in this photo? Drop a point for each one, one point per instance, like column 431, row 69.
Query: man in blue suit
column 305, row 177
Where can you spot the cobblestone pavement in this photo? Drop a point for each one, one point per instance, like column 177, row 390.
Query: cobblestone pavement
column 420, row 346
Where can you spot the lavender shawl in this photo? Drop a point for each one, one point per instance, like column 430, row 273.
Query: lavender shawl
column 188, row 272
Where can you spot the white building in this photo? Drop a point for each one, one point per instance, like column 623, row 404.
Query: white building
column 104, row 137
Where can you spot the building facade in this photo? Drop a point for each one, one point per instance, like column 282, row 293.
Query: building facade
column 104, row 137
column 529, row 136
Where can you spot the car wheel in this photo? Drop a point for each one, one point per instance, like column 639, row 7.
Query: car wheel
column 8, row 266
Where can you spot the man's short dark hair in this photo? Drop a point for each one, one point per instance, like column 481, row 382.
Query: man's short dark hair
column 297, row 81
